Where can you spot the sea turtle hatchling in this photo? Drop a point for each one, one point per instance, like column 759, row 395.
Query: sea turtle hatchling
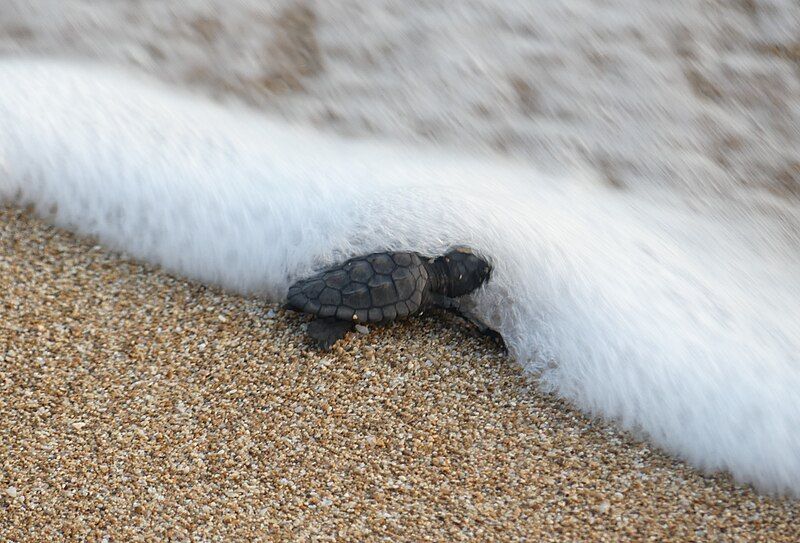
column 387, row 286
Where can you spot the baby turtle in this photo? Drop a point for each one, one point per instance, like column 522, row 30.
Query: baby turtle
column 383, row 287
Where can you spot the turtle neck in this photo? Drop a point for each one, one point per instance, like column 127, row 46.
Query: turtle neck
column 440, row 278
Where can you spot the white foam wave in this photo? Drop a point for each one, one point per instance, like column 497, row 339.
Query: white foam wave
column 676, row 324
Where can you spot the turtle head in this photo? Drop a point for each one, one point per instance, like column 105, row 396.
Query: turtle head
column 464, row 271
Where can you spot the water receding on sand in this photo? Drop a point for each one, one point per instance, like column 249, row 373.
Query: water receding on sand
column 680, row 324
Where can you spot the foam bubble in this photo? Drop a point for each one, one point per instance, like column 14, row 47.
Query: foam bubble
column 679, row 325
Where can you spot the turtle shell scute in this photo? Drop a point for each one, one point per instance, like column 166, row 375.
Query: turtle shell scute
column 381, row 263
column 389, row 312
column 327, row 311
column 404, row 282
column 313, row 288
column 330, row 296
column 356, row 295
column 382, row 289
column 362, row 315
column 344, row 313
column 336, row 279
column 402, row 309
column 360, row 271
column 373, row 288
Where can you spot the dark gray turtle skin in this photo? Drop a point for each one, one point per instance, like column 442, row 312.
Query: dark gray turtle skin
column 383, row 287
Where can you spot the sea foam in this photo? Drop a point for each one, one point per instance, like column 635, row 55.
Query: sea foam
column 679, row 325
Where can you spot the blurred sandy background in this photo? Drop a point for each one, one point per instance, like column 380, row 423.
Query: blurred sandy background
column 696, row 94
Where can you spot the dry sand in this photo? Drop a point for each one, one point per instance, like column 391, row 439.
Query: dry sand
column 137, row 406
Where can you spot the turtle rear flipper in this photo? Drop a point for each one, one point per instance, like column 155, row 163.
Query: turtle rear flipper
column 326, row 332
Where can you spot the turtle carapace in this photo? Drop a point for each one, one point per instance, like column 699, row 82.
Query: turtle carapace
column 383, row 287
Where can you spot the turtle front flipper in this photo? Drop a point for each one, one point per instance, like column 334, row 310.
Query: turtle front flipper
column 326, row 332
column 451, row 304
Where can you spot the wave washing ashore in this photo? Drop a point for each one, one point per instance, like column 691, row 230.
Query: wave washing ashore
column 678, row 325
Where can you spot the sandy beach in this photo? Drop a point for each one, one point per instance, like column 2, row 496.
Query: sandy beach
column 141, row 407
